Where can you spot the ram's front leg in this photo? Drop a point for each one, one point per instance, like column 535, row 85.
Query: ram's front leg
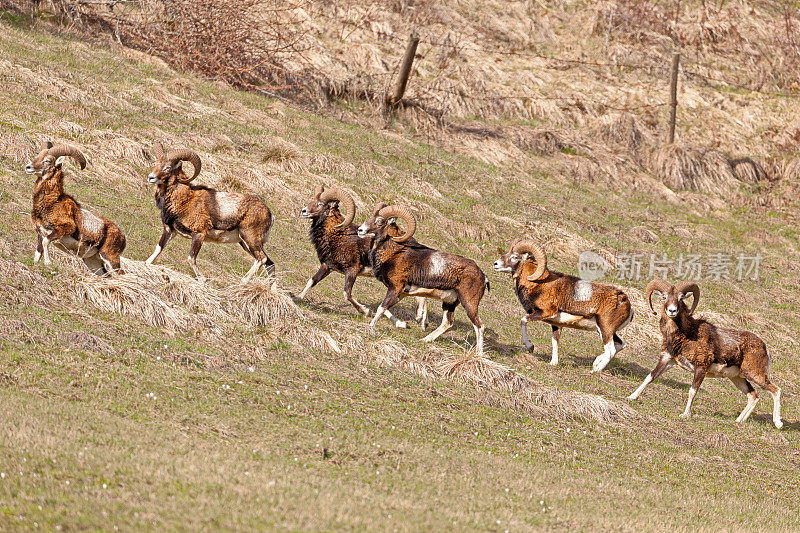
column 37, row 255
column 699, row 375
column 57, row 233
column 197, row 243
column 664, row 363
column 162, row 243
column 535, row 315
column 389, row 300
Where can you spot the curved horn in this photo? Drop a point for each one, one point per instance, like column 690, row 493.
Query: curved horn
column 318, row 192
column 529, row 246
column 65, row 149
column 341, row 196
column 405, row 214
column 158, row 150
column 655, row 285
column 683, row 287
column 185, row 154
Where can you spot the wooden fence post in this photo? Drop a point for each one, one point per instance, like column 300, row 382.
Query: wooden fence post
column 673, row 96
column 394, row 99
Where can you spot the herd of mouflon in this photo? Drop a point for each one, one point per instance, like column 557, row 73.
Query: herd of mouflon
column 381, row 249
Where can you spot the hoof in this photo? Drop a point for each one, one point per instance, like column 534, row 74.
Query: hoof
column 685, row 416
column 631, row 398
column 401, row 324
column 778, row 424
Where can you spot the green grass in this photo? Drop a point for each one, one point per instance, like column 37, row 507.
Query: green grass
column 306, row 440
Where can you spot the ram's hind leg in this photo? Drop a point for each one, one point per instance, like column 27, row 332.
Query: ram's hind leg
column 471, row 307
column 422, row 312
column 37, row 255
column 609, row 347
column 448, row 310
column 556, row 338
column 752, row 397
column 349, row 281
column 762, row 380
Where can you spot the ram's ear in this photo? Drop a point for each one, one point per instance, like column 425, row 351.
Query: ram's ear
column 177, row 165
column 500, row 250
column 59, row 161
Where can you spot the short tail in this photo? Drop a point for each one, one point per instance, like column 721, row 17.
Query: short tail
column 488, row 286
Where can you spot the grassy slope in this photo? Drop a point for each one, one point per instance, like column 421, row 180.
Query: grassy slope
column 307, row 440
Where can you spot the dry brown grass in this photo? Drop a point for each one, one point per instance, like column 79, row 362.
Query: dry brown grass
column 281, row 152
column 685, row 168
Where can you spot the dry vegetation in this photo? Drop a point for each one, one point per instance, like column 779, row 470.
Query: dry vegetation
column 480, row 439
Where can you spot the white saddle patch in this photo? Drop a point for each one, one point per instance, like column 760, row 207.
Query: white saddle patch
column 583, row 291
column 216, row 235
column 571, row 321
column 91, row 223
column 437, row 264
column 227, row 205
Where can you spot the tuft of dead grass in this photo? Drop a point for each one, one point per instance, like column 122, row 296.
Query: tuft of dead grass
column 470, row 368
column 685, row 168
column 626, row 131
column 749, row 171
column 282, row 153
column 260, row 302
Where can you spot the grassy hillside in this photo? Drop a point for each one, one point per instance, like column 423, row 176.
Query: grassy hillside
column 210, row 421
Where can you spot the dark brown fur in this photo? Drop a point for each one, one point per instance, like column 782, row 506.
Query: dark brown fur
column 57, row 216
column 200, row 213
column 340, row 249
column 711, row 351
column 607, row 308
column 405, row 269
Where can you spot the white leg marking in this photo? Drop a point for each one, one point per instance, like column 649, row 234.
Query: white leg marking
column 394, row 320
column 197, row 273
column 602, row 360
column 154, row 255
column 752, row 400
column 253, row 269
column 305, row 291
column 46, row 247
column 378, row 314
column 444, row 326
column 107, row 264
column 524, row 327
column 479, row 339
column 422, row 313
column 554, row 357
column 687, row 413
column 776, row 409
column 638, row 392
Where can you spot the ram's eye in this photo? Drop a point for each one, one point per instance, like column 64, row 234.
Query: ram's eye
column 166, row 168
column 663, row 297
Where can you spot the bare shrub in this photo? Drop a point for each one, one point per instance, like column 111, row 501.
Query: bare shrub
column 243, row 43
